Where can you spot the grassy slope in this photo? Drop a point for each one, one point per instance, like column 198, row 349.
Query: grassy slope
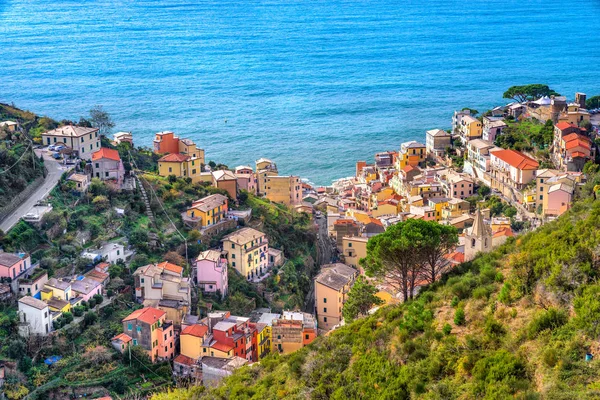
column 524, row 335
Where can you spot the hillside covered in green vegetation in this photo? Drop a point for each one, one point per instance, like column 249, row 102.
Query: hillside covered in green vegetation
column 514, row 323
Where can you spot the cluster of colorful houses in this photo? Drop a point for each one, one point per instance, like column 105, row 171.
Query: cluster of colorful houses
column 416, row 181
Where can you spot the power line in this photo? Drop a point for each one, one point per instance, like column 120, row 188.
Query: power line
column 161, row 206
column 18, row 161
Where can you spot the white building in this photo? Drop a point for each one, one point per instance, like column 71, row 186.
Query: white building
column 83, row 141
column 34, row 316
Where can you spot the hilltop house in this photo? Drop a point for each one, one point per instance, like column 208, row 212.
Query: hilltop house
column 34, row 317
column 107, row 165
column 83, row 141
column 247, row 252
column 331, row 291
column 180, row 165
column 148, row 328
column 13, row 265
column 211, row 272
column 437, row 141
column 293, row 331
column 167, row 142
column 206, row 212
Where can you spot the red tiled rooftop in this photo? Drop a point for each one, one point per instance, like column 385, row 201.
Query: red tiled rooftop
column 516, row 159
column 148, row 315
column 222, row 347
column 174, row 158
column 104, row 152
column 170, row 267
column 196, row 330
column 506, row 231
column 565, row 125
column 185, row 360
column 123, row 337
column 344, row 222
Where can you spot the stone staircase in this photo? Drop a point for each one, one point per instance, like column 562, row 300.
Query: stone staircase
column 146, row 201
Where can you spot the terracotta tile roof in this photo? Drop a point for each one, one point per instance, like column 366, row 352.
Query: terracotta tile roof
column 506, row 231
column 123, row 337
column 579, row 154
column 516, row 159
column 196, row 330
column 375, row 221
column 408, row 168
column 456, row 257
column 576, row 143
column 148, row 315
column 170, row 267
column 185, row 360
column 565, row 125
column 174, row 158
column 104, row 152
column 221, row 347
column 345, row 222
column 97, row 275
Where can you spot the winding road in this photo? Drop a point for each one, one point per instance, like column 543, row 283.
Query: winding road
column 55, row 170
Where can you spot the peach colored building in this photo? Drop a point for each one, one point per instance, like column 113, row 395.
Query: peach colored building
column 331, row 292
column 148, row 328
column 226, row 180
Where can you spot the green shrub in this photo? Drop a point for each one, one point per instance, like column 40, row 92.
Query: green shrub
column 455, row 301
column 91, row 303
column 482, row 292
column 447, row 329
column 550, row 357
column 549, row 319
column 98, row 298
column 459, row 317
column 78, row 311
column 504, row 295
column 68, row 317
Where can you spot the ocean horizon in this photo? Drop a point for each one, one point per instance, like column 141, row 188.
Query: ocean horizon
column 314, row 86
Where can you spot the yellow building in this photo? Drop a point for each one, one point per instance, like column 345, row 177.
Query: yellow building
column 264, row 340
column 438, row 204
column 282, row 189
column 470, row 128
column 58, row 305
column 180, row 165
column 384, row 194
column 247, row 251
column 331, row 292
column 192, row 339
column 207, row 211
column 354, row 248
column 455, row 208
column 575, row 115
column 60, row 289
column 411, row 153
column 359, row 215
column 386, row 207
column 264, row 169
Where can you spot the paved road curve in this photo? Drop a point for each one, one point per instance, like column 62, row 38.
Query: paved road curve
column 55, row 170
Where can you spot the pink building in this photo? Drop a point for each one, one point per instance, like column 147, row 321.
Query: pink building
column 559, row 199
column 85, row 288
column 211, row 272
column 246, row 179
column 13, row 265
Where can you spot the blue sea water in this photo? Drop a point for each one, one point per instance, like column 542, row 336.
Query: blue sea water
column 314, row 85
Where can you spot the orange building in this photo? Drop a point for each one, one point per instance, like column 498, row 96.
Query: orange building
column 167, row 142
column 148, row 328
column 293, row 331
